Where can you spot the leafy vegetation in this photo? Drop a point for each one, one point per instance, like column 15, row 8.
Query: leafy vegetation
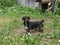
column 10, row 19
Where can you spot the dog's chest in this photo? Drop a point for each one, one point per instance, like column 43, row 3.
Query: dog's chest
column 25, row 27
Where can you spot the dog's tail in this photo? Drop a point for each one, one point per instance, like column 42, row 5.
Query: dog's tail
column 42, row 21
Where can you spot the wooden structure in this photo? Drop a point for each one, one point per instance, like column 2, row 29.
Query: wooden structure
column 29, row 3
column 40, row 4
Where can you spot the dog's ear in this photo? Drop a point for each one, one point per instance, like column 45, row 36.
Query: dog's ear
column 22, row 18
column 28, row 17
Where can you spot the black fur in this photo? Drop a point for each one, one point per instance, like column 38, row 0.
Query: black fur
column 32, row 25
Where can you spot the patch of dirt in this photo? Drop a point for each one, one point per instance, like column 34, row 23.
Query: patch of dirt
column 22, row 30
column 45, row 39
column 18, row 31
column 5, row 19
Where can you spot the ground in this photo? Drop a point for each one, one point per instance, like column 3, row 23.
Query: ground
column 13, row 33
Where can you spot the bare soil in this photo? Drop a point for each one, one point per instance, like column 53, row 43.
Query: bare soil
column 21, row 30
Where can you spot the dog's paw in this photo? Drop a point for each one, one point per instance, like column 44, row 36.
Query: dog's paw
column 29, row 33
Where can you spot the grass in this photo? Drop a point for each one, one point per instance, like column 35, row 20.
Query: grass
column 10, row 19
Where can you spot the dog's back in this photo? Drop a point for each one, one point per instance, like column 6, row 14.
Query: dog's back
column 36, row 24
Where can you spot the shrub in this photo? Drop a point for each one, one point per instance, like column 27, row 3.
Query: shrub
column 7, row 2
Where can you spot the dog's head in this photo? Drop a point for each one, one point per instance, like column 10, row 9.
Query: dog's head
column 26, row 18
column 25, row 21
column 42, row 21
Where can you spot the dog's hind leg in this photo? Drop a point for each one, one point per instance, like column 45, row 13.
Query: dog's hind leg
column 40, row 30
column 28, row 30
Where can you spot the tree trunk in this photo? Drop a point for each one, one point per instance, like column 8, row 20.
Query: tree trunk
column 53, row 5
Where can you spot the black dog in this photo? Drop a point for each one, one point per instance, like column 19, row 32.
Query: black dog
column 32, row 25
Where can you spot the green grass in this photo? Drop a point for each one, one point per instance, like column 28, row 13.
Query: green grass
column 10, row 19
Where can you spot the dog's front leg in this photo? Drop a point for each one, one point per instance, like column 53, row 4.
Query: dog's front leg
column 28, row 30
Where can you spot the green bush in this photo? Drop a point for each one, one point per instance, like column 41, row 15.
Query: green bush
column 7, row 2
column 57, row 11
